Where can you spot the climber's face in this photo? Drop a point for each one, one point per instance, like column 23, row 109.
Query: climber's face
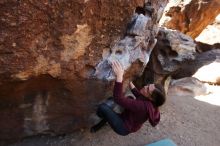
column 147, row 90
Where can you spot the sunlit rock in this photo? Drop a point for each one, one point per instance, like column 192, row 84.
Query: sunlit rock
column 211, row 34
column 190, row 16
column 188, row 86
column 178, row 56
column 209, row 73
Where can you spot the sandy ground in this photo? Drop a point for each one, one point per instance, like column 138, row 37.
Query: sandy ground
column 186, row 120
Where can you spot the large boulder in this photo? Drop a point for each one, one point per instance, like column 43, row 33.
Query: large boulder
column 210, row 72
column 205, row 67
column 211, row 34
column 173, row 49
column 192, row 87
column 190, row 16
column 55, row 59
column 188, row 86
column 177, row 55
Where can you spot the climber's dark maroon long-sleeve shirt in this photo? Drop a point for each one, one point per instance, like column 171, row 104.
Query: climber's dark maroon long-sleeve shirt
column 136, row 111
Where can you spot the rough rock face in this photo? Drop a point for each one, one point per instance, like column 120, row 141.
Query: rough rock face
column 190, row 86
column 55, row 55
column 136, row 45
column 58, row 38
column 212, row 69
column 205, row 67
column 211, row 34
column 171, row 51
column 177, row 55
column 191, row 16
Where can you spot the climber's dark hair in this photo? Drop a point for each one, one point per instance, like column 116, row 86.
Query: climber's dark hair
column 158, row 95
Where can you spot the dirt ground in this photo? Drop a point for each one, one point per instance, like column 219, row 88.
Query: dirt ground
column 184, row 119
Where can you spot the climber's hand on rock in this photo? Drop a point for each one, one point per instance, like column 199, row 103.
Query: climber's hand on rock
column 132, row 86
column 118, row 70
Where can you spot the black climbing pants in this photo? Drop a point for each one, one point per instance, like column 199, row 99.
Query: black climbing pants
column 114, row 120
